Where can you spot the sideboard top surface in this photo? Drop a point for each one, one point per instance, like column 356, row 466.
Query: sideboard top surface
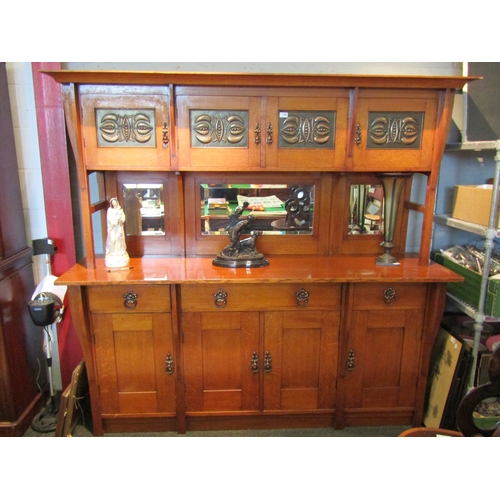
column 334, row 269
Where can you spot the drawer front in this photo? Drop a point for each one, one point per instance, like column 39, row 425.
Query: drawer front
column 389, row 295
column 129, row 298
column 258, row 297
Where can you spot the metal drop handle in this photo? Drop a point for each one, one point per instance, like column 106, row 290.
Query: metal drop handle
column 268, row 362
column 302, row 297
column 130, row 301
column 169, row 364
column 255, row 362
column 257, row 138
column 351, row 361
column 269, row 137
column 389, row 295
column 220, row 298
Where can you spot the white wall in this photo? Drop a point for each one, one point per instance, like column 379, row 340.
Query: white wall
column 380, row 68
column 22, row 102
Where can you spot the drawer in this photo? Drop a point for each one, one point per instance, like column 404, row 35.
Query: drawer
column 133, row 298
column 389, row 295
column 258, row 297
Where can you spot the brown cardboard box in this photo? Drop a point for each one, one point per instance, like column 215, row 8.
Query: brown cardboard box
column 472, row 204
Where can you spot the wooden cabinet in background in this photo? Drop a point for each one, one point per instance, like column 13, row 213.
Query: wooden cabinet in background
column 22, row 360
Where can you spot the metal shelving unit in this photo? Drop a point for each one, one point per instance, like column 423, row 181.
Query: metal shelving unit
column 489, row 233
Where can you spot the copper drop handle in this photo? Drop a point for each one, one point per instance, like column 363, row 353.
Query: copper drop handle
column 169, row 364
column 268, row 362
column 130, row 301
column 165, row 139
column 269, row 137
column 220, row 298
column 357, row 135
column 257, row 138
column 351, row 361
column 389, row 295
column 302, row 297
column 255, row 362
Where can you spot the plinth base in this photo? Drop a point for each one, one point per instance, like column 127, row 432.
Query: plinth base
column 222, row 261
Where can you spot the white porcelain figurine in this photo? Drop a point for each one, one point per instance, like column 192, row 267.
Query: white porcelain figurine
column 116, row 248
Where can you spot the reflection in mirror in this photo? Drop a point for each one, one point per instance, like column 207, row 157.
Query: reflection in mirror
column 276, row 208
column 486, row 415
column 365, row 209
column 144, row 209
column 96, row 187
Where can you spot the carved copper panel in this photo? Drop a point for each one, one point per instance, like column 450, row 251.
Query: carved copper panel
column 219, row 129
column 125, row 128
column 307, row 129
column 394, row 130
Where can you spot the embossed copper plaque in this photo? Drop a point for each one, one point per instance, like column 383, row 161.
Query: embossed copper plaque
column 130, row 128
column 394, row 130
column 219, row 129
column 307, row 129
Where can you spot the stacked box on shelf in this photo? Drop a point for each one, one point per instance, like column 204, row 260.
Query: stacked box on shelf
column 470, row 289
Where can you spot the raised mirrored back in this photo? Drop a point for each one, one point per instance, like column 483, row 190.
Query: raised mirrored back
column 276, row 209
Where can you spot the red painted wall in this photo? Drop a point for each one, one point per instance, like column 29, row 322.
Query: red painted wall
column 57, row 194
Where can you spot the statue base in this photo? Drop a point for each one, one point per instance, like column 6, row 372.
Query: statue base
column 116, row 260
column 233, row 262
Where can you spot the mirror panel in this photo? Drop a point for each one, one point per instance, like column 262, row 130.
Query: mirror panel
column 366, row 209
column 144, row 207
column 278, row 209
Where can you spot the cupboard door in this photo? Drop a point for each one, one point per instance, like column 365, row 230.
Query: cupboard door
column 126, row 127
column 300, row 360
column 135, row 363
column 395, row 132
column 383, row 359
column 219, row 132
column 220, row 369
column 308, row 133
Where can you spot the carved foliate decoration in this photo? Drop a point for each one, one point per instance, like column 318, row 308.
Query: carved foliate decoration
column 125, row 128
column 390, row 130
column 306, row 129
column 219, row 129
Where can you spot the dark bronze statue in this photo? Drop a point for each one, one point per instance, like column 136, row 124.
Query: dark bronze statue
column 240, row 252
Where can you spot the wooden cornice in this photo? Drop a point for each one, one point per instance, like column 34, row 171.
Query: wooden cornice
column 259, row 79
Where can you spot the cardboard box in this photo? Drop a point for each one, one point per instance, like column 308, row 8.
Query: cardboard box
column 473, row 204
column 470, row 289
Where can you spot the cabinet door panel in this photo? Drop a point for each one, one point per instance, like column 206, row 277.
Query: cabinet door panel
column 310, row 133
column 126, row 128
column 218, row 132
column 385, row 346
column 395, row 133
column 303, row 346
column 131, row 352
column 218, row 350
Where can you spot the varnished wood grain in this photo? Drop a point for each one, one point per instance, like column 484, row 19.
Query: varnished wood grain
column 302, row 269
column 245, row 79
